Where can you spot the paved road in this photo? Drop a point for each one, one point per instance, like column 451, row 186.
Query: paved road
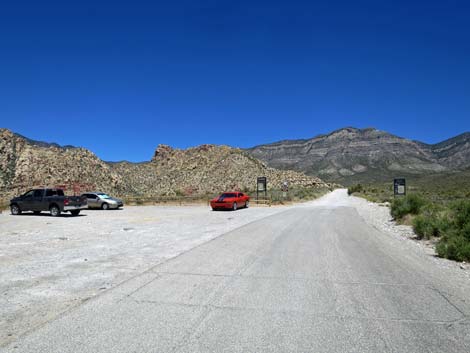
column 310, row 279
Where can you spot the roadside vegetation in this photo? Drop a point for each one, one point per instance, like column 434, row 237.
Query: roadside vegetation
column 295, row 194
column 274, row 196
column 437, row 207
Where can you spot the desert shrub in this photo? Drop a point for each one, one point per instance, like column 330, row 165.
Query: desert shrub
column 454, row 248
column 424, row 227
column 410, row 204
column 455, row 244
column 460, row 212
column 355, row 188
column 432, row 221
column 304, row 193
column 179, row 193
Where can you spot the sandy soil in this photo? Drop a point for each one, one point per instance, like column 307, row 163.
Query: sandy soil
column 48, row 265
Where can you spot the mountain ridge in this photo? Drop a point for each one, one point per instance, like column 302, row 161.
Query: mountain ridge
column 350, row 154
column 347, row 155
column 465, row 134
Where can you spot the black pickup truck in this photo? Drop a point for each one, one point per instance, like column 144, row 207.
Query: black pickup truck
column 52, row 200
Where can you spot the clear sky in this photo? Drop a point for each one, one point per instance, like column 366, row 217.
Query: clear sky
column 121, row 77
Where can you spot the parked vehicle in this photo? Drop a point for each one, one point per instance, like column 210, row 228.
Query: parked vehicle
column 102, row 200
column 230, row 200
column 52, row 200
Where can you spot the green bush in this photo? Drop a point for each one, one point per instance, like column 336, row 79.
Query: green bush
column 355, row 188
column 454, row 248
column 431, row 222
column 461, row 217
column 455, row 244
column 424, row 227
column 179, row 193
column 411, row 204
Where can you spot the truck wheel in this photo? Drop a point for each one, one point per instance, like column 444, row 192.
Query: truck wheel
column 234, row 207
column 105, row 206
column 55, row 211
column 75, row 212
column 15, row 210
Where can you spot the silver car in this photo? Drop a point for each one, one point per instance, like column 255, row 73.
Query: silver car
column 102, row 200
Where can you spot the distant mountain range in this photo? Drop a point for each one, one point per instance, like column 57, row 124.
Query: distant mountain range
column 351, row 155
column 41, row 143
column 345, row 156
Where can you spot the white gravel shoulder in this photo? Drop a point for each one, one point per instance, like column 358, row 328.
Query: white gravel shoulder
column 379, row 217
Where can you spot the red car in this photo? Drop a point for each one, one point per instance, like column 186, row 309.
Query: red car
column 230, row 200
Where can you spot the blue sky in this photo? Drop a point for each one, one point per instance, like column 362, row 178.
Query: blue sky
column 121, row 77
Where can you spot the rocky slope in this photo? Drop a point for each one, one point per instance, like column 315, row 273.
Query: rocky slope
column 359, row 155
column 202, row 170
column 25, row 164
column 453, row 153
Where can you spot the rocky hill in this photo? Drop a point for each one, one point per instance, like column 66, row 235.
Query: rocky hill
column 201, row 170
column 25, row 163
column 360, row 155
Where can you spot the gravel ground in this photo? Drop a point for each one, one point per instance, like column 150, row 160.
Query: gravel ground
column 48, row 265
column 309, row 279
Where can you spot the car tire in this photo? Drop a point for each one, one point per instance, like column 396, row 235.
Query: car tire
column 75, row 212
column 105, row 206
column 247, row 204
column 55, row 211
column 37, row 212
column 15, row 210
column 234, row 207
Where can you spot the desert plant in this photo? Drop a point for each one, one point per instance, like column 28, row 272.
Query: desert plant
column 179, row 192
column 461, row 217
column 455, row 244
column 355, row 188
column 432, row 221
column 454, row 247
column 410, row 204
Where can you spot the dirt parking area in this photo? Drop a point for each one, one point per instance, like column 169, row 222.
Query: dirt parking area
column 48, row 265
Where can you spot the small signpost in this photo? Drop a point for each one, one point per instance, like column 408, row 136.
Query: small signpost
column 261, row 187
column 399, row 187
column 285, row 189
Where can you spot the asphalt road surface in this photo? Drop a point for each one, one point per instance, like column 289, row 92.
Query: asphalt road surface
column 315, row 278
